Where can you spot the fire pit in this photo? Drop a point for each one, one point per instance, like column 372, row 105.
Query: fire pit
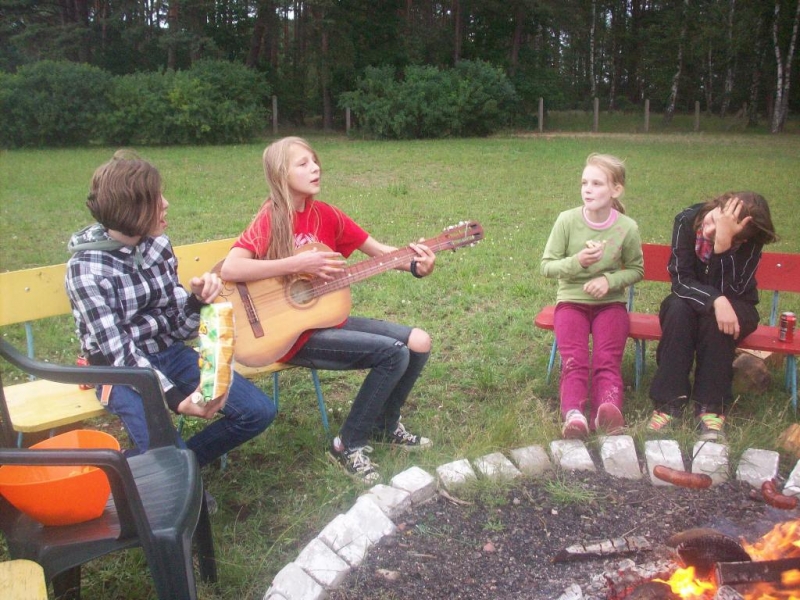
column 505, row 546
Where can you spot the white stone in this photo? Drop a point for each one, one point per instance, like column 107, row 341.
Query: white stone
column 618, row 454
column 571, row 455
column 292, row 583
column 456, row 473
column 392, row 501
column 372, row 519
column 532, row 460
column 792, row 486
column 417, row 482
column 757, row 466
column 323, row 564
column 711, row 458
column 345, row 536
column 573, row 592
column 496, row 466
column 662, row 452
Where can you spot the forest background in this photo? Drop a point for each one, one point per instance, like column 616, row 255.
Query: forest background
column 734, row 57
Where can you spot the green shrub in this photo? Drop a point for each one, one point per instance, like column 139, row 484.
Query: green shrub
column 214, row 102
column 52, row 103
column 473, row 99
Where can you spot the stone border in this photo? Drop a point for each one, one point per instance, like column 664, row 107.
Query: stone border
column 343, row 544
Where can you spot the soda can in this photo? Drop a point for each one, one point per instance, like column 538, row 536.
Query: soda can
column 786, row 329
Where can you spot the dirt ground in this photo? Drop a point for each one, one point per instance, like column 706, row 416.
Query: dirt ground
column 502, row 548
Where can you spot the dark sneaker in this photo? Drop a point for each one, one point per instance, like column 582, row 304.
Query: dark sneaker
column 609, row 419
column 404, row 439
column 660, row 422
column 576, row 427
column 354, row 461
column 711, row 427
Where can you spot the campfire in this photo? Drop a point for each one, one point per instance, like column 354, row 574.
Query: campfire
column 718, row 567
column 713, row 566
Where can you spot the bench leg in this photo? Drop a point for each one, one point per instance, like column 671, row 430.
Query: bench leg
column 790, row 379
column 551, row 362
column 323, row 412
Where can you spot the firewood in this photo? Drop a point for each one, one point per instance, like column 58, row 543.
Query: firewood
column 762, row 571
column 727, row 593
column 750, row 374
column 609, row 547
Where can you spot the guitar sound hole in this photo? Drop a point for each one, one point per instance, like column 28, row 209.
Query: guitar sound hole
column 301, row 292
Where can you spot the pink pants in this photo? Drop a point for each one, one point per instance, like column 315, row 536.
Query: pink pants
column 608, row 325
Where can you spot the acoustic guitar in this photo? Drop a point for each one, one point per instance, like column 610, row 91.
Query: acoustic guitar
column 271, row 314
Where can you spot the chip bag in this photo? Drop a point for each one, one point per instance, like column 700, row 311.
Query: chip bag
column 215, row 348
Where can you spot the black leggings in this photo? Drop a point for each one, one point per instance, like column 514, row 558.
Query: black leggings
column 688, row 336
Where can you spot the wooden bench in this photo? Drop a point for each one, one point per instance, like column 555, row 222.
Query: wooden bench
column 30, row 295
column 777, row 272
column 22, row 579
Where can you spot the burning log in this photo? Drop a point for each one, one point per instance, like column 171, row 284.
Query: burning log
column 761, row 571
column 727, row 593
column 609, row 547
column 702, row 548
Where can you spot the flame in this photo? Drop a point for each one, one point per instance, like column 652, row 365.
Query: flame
column 783, row 541
column 684, row 583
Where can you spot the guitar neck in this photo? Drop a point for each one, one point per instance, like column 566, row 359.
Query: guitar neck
column 376, row 265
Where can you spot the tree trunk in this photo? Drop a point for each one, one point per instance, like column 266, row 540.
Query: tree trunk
column 516, row 40
column 456, row 31
column 673, row 96
column 784, row 70
column 172, row 27
column 592, row 78
column 728, row 86
column 755, row 79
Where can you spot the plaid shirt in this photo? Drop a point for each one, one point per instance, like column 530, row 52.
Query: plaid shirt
column 128, row 303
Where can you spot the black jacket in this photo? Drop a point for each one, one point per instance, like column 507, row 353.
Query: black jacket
column 730, row 274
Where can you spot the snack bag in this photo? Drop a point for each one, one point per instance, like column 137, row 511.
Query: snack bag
column 215, row 348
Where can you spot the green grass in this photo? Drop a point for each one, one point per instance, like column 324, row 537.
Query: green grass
column 484, row 387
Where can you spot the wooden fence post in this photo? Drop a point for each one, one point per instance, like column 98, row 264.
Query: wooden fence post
column 347, row 120
column 596, row 120
column 274, row 115
column 541, row 114
column 697, row 115
column 647, row 115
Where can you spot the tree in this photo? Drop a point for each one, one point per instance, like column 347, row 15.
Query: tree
column 784, row 69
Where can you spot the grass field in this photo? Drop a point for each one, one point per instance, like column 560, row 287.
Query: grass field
column 484, row 388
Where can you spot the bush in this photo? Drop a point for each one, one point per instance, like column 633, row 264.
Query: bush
column 52, row 103
column 214, row 102
column 472, row 99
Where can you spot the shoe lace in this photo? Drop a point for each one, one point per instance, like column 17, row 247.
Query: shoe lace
column 659, row 420
column 402, row 435
column 712, row 421
column 358, row 459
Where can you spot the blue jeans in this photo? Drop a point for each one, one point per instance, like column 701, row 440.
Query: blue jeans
column 248, row 411
column 371, row 344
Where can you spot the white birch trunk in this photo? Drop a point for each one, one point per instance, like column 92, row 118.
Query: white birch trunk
column 728, row 86
column 784, row 70
column 673, row 95
column 592, row 77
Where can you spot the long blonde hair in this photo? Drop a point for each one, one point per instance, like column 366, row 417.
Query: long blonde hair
column 279, row 205
column 614, row 168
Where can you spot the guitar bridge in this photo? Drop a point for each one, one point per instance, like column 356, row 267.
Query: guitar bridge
column 250, row 310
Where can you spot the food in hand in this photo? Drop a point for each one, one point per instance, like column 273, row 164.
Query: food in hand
column 216, row 340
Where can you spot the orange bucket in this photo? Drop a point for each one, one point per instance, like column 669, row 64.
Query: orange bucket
column 60, row 495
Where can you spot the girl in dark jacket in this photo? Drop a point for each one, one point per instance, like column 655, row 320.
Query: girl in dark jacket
column 716, row 248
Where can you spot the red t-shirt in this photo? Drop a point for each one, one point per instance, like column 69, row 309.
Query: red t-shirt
column 318, row 223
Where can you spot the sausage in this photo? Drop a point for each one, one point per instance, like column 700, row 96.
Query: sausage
column 682, row 478
column 774, row 498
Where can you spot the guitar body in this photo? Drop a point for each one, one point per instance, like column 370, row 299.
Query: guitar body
column 283, row 310
column 271, row 314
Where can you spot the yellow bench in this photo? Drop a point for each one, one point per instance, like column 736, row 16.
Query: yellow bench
column 22, row 580
column 29, row 295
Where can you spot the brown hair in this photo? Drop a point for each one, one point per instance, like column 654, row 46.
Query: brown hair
column 759, row 229
column 614, row 168
column 125, row 194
